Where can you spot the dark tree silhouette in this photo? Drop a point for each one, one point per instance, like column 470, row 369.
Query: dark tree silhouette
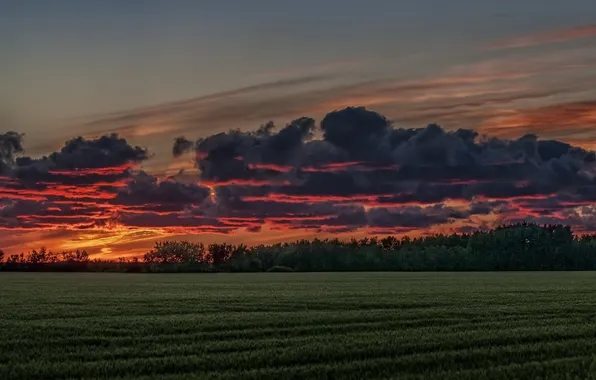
column 219, row 254
column 522, row 246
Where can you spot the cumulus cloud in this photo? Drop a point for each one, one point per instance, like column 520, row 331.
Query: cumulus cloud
column 355, row 170
column 370, row 146
column 104, row 152
column 357, row 157
column 70, row 188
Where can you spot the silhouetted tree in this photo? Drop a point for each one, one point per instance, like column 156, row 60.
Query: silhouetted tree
column 35, row 257
column 169, row 252
column 81, row 256
column 521, row 246
column 218, row 254
column 13, row 259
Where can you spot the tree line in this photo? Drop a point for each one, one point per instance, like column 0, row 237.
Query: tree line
column 522, row 246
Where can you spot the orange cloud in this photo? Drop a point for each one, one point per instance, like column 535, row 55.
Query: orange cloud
column 572, row 121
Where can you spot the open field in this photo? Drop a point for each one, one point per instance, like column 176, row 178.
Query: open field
column 298, row 325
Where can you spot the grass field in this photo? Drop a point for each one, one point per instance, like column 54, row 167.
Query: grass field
column 317, row 325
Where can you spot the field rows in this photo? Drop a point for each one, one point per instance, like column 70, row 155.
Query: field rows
column 272, row 326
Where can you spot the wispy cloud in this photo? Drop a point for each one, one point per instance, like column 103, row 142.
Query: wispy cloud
column 233, row 109
column 571, row 120
column 463, row 96
column 554, row 36
column 147, row 112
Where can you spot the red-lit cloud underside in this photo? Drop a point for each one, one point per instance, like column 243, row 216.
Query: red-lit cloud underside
column 100, row 205
column 361, row 175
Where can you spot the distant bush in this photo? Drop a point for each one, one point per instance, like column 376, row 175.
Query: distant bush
column 280, row 268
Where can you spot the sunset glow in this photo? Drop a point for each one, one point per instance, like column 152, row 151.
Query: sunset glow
column 126, row 141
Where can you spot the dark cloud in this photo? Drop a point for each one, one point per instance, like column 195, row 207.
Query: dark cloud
column 181, row 146
column 356, row 130
column 355, row 139
column 104, row 152
column 355, row 170
column 11, row 144
column 95, row 184
column 167, row 195
column 81, row 161
column 485, row 208
column 357, row 156
column 82, row 185
column 413, row 216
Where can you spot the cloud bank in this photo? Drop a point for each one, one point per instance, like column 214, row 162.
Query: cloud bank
column 352, row 172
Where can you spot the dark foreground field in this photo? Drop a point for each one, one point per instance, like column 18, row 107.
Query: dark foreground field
column 278, row 326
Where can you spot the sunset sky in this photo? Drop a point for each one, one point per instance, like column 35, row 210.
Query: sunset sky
column 190, row 86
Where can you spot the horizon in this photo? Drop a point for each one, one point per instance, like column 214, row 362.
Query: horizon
column 169, row 80
column 206, row 248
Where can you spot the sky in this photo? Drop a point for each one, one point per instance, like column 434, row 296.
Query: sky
column 147, row 120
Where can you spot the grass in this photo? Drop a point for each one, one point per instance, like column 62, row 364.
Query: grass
column 297, row 325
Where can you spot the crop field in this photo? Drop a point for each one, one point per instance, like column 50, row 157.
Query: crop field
column 298, row 325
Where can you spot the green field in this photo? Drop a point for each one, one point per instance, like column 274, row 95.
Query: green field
column 316, row 325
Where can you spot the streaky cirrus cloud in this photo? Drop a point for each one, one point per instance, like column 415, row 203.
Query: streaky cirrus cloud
column 351, row 173
column 463, row 96
column 549, row 37
column 575, row 121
